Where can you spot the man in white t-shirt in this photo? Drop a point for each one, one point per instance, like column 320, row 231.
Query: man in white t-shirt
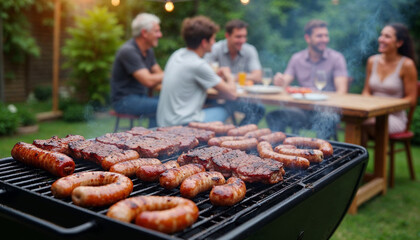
column 188, row 76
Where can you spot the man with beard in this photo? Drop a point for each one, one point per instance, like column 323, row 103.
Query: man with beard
column 236, row 55
column 303, row 67
column 135, row 70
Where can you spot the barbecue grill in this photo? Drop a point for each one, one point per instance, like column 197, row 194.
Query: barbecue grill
column 307, row 204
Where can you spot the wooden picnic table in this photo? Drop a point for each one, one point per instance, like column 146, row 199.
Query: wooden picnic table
column 354, row 109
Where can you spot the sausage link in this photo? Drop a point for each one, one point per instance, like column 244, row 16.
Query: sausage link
column 164, row 214
column 273, row 138
column 266, row 151
column 115, row 158
column 55, row 163
column 93, row 189
column 313, row 155
column 129, row 168
column 316, row 143
column 200, row 182
column 258, row 133
column 242, row 130
column 228, row 194
column 172, row 178
column 244, row 144
column 151, row 173
column 202, row 125
column 216, row 141
column 276, row 149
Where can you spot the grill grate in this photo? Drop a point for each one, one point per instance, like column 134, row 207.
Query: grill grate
column 212, row 220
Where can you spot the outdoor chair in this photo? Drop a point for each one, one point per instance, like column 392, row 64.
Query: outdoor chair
column 405, row 138
column 129, row 117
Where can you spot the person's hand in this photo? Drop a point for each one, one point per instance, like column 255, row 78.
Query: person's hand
column 225, row 73
column 279, row 79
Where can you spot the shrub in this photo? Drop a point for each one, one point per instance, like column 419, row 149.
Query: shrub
column 415, row 126
column 9, row 121
column 26, row 118
column 90, row 53
column 78, row 113
column 43, row 93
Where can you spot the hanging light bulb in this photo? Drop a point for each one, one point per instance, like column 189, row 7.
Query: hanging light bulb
column 169, row 6
column 244, row 2
column 115, row 2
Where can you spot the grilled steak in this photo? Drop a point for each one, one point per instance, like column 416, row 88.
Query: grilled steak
column 201, row 134
column 56, row 144
column 139, row 131
column 117, row 139
column 202, row 156
column 228, row 162
column 105, row 155
column 256, row 169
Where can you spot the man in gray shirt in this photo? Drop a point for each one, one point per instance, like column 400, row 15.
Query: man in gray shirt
column 135, row 70
column 303, row 67
column 188, row 76
column 235, row 54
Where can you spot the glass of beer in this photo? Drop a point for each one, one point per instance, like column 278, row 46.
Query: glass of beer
column 267, row 76
column 320, row 79
column 241, row 78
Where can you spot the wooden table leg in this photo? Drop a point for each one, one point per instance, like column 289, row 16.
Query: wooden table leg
column 378, row 183
column 381, row 149
column 353, row 134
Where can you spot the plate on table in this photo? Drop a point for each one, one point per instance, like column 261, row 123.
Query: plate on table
column 310, row 96
column 263, row 89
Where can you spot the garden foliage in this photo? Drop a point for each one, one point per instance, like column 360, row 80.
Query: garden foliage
column 90, row 53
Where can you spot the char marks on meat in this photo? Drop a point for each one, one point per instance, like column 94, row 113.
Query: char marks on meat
column 100, row 153
column 117, row 139
column 202, row 135
column 256, row 169
column 202, row 156
column 139, row 131
column 56, row 144
column 249, row 168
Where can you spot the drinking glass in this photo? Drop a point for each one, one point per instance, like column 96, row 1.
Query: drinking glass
column 267, row 76
column 320, row 79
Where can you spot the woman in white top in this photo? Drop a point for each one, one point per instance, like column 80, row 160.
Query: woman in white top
column 392, row 73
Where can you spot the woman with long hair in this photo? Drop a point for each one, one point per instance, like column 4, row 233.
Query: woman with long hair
column 392, row 73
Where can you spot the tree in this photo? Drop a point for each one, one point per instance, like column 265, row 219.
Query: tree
column 90, row 53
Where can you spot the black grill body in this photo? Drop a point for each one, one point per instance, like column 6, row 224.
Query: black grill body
column 308, row 204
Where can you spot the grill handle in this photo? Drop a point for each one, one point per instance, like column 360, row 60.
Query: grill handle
column 45, row 224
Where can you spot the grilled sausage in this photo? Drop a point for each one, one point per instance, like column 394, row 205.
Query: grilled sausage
column 93, row 189
column 266, row 151
column 205, row 126
column 116, row 157
column 151, row 173
column 164, row 214
column 172, row 178
column 221, row 129
column 200, row 182
column 315, row 143
column 313, row 155
column 258, row 133
column 129, row 168
column 273, row 138
column 228, row 194
column 216, row 141
column 242, row 130
column 282, row 146
column 244, row 144
column 55, row 163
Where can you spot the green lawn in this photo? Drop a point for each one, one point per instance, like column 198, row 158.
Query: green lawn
column 395, row 215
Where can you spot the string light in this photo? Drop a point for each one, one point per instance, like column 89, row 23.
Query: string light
column 244, row 2
column 169, row 6
column 115, row 2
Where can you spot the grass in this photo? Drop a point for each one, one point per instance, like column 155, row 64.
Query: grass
column 395, row 215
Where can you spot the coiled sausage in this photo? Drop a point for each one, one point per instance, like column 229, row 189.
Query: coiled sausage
column 228, row 194
column 164, row 214
column 55, row 163
column 93, row 189
column 273, row 138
